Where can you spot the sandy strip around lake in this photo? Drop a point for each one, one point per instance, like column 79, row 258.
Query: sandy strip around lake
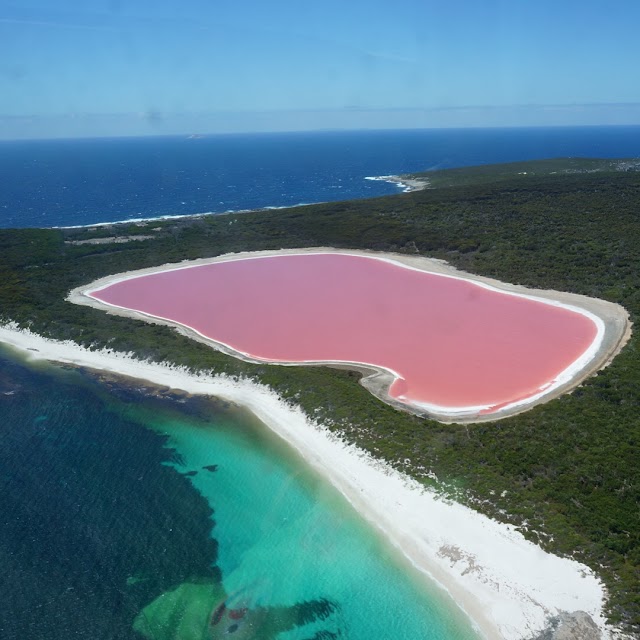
column 612, row 321
column 508, row 587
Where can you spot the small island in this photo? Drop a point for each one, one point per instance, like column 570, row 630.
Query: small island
column 530, row 521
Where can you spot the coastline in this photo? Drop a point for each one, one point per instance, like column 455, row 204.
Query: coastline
column 203, row 214
column 612, row 322
column 508, row 587
column 406, row 183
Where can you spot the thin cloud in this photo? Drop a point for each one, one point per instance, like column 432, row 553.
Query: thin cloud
column 57, row 25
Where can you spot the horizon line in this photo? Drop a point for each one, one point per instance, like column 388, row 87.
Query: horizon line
column 195, row 135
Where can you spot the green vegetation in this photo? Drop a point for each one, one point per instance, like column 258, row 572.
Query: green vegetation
column 523, row 171
column 567, row 472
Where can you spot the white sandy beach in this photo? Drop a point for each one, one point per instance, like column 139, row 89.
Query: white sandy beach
column 509, row 587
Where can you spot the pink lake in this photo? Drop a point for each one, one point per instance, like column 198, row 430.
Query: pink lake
column 451, row 343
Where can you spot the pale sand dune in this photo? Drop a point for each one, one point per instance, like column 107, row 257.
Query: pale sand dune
column 509, row 587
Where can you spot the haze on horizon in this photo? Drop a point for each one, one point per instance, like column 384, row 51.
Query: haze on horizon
column 110, row 67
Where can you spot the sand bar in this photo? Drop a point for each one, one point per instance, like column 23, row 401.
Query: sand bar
column 509, row 587
column 608, row 330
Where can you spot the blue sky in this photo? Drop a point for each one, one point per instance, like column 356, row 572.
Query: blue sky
column 126, row 67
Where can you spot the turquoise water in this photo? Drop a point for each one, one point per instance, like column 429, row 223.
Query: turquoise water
column 183, row 519
column 286, row 535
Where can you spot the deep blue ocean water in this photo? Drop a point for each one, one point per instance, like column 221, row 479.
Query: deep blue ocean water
column 80, row 182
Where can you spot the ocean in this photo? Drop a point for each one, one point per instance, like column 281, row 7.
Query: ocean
column 82, row 182
column 129, row 513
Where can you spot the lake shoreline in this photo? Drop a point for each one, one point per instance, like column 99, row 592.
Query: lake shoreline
column 614, row 330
